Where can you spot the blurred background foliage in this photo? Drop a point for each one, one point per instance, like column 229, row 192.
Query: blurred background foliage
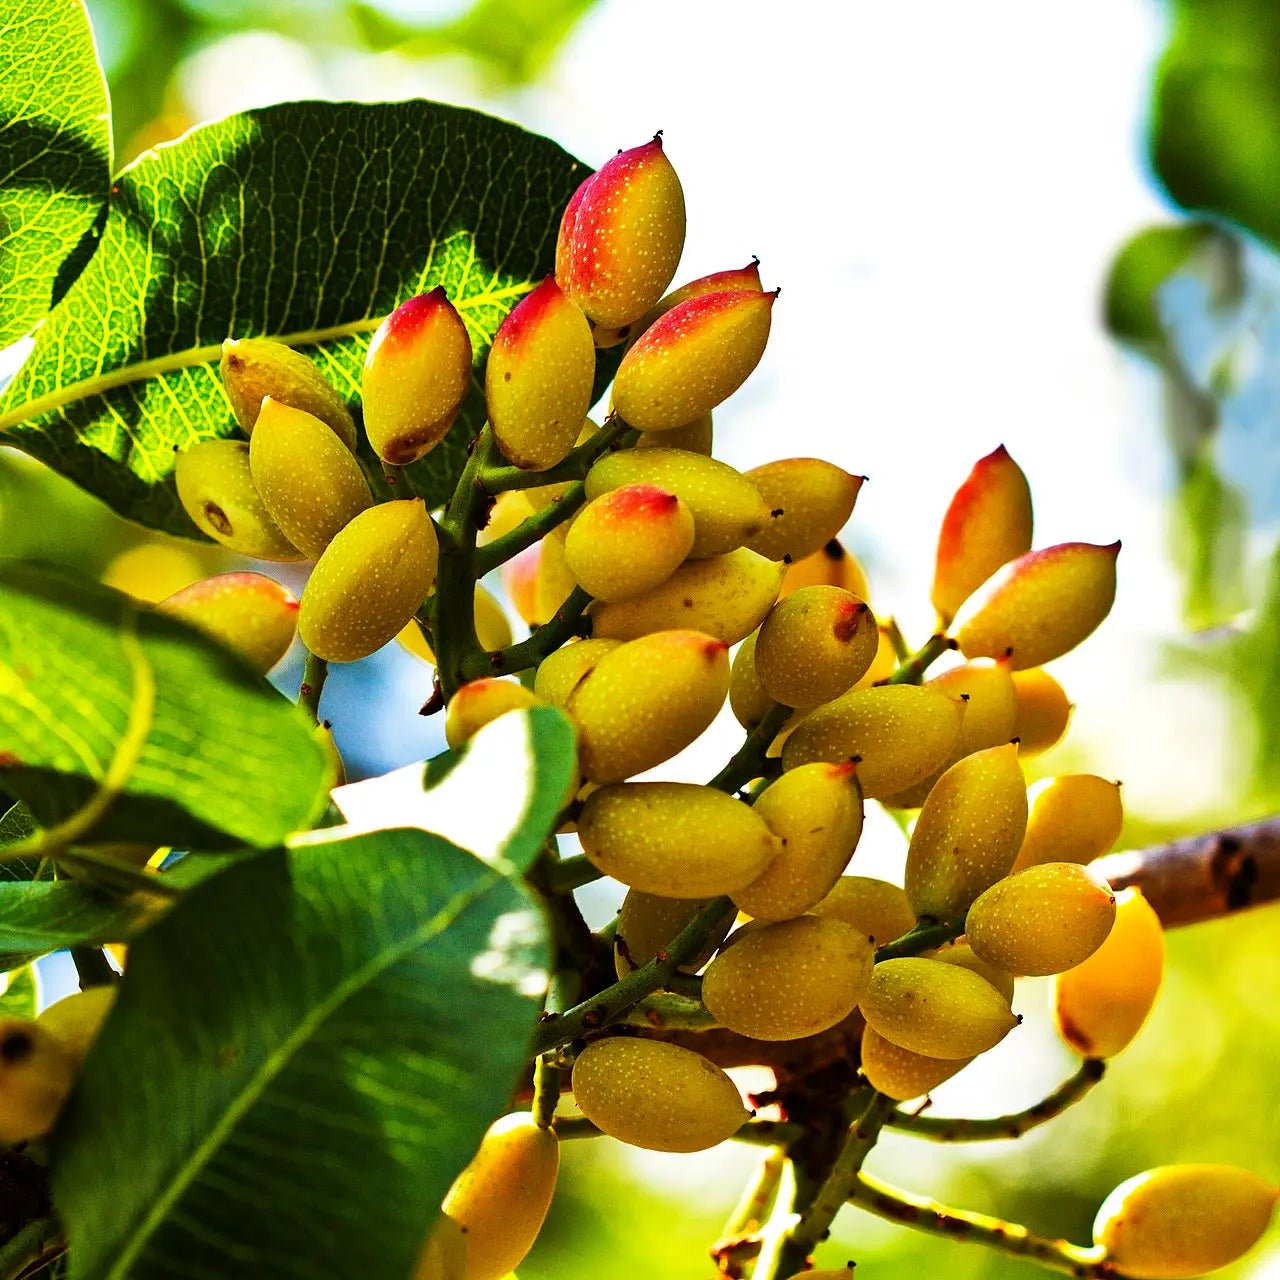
column 1182, row 695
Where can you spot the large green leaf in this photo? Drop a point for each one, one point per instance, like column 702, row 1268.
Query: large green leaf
column 21, row 995
column 55, row 151
column 1216, row 123
column 306, row 222
column 48, row 915
column 16, row 825
column 532, row 753
column 99, row 695
column 305, row 1053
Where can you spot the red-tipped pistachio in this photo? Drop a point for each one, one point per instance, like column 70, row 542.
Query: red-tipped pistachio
column 538, row 379
column 247, row 612
column 987, row 524
column 692, row 359
column 1041, row 605
column 416, row 375
column 622, row 235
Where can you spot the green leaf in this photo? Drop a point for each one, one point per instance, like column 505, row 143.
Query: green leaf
column 48, row 915
column 501, row 792
column 17, row 825
column 1210, row 520
column 1216, row 127
column 106, row 703
column 21, row 996
column 1148, row 261
column 55, row 152
column 304, row 1054
column 307, row 222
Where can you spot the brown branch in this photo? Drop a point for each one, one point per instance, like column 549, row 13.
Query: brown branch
column 1203, row 877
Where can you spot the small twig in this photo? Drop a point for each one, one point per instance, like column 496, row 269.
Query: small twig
column 774, row 1233
column 816, row 1219
column 748, row 761
column 529, row 531
column 913, row 669
column 663, row 1012
column 93, row 968
column 571, row 873
column 612, row 1003
column 975, row 1228
column 39, row 1242
column 546, row 1090
column 898, row 642
column 494, row 479
column 314, row 673
column 568, row 621
column 951, row 1129
column 927, row 935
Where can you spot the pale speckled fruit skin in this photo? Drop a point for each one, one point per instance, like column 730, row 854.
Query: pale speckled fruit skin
column 817, row 814
column 939, row 1010
column 735, row 279
column 962, row 953
column 898, row 733
column 727, row 597
column 1183, row 1220
column 874, row 907
column 809, row 502
column 1044, row 711
column 646, row 700
column 843, row 1273
column 306, row 477
column 968, row 833
column 815, row 645
column 726, row 507
column 543, row 495
column 248, row 612
column 987, row 524
column 554, row 580
column 830, row 566
column 444, row 1256
column 1100, row 1005
column 562, row 670
column 493, row 628
column 416, row 374
column 371, row 580
column 692, row 359
column 538, row 378
column 33, row 1088
column 648, row 923
column 628, row 541
column 1043, row 920
column 621, row 236
column 747, row 697
column 254, row 368
column 900, row 1073
column 215, row 487
column 675, row 839
column 790, row 979
column 1074, row 817
column 657, row 1096
column 479, row 702
column 1040, row 606
column 990, row 709
column 77, row 1019
column 694, row 437
column 501, row 1198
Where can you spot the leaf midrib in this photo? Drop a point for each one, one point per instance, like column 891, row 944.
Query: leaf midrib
column 277, row 1060
column 190, row 357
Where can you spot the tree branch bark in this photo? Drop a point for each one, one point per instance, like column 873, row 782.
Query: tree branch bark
column 1203, row 877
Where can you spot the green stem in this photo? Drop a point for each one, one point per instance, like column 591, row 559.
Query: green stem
column 948, row 1129
column 893, row 633
column 615, row 1001
column 314, row 673
column 528, row 653
column 816, row 1219
column 529, row 531
column 749, row 761
column 924, row 937
column 976, row 1228
column 93, row 968
column 546, row 1090
column 571, row 873
column 749, row 1213
column 38, row 1242
column 688, row 986
column 774, row 1233
column 671, row 1013
column 912, row 671
column 495, row 478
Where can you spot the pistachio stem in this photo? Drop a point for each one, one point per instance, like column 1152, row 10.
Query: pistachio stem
column 315, row 672
column 749, row 761
column 912, row 670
